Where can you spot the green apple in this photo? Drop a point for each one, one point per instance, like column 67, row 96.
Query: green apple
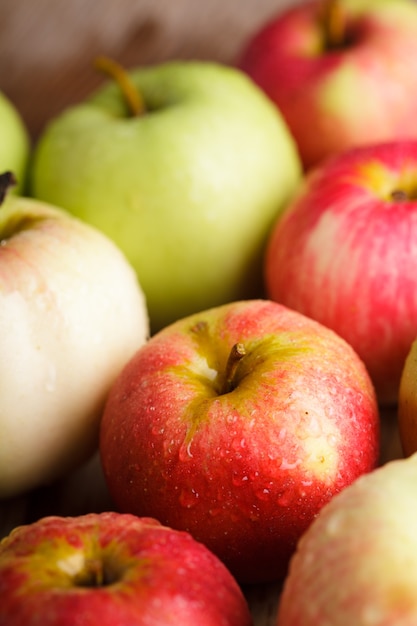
column 407, row 403
column 188, row 189
column 357, row 562
column 14, row 144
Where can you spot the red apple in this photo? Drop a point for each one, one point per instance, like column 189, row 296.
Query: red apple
column 345, row 254
column 342, row 73
column 113, row 570
column 237, row 424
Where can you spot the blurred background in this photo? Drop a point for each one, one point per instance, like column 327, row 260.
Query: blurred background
column 47, row 47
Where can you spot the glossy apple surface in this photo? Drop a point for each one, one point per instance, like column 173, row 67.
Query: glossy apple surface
column 72, row 314
column 357, row 563
column 112, row 569
column 188, row 190
column 344, row 254
column 407, row 403
column 239, row 448
column 14, row 144
column 339, row 81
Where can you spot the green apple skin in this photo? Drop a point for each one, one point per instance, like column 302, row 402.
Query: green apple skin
column 357, row 563
column 407, row 403
column 188, row 191
column 72, row 313
column 244, row 468
column 113, row 569
column 334, row 98
column 14, row 144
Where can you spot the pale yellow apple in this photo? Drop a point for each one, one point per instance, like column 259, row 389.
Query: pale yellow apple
column 357, row 563
column 71, row 314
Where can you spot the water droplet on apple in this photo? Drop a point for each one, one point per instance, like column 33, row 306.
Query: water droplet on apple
column 289, row 465
column 157, row 429
column 284, row 499
column 282, row 435
column 240, row 480
column 263, row 494
column 188, row 498
column 185, row 453
column 169, row 446
column 238, row 443
column 335, row 524
column 314, row 427
column 332, row 440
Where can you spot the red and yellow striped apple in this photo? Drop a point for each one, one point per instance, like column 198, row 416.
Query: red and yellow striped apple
column 113, row 570
column 237, row 424
column 344, row 253
column 342, row 72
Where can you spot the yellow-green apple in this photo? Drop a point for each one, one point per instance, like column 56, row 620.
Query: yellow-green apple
column 340, row 71
column 14, row 144
column 407, row 403
column 237, row 424
column 72, row 314
column 113, row 569
column 188, row 188
column 357, row 562
column 344, row 254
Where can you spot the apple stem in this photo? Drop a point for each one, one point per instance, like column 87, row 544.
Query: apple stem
column 236, row 354
column 7, row 180
column 334, row 24
column 117, row 72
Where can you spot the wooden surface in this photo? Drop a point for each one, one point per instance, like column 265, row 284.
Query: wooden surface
column 46, row 53
column 47, row 47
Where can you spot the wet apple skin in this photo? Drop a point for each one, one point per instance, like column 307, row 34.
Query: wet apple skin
column 246, row 471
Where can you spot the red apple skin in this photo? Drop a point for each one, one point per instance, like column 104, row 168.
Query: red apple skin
column 344, row 254
column 161, row 576
column 336, row 99
column 246, row 471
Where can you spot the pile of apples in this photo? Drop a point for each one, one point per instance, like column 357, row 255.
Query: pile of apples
column 209, row 277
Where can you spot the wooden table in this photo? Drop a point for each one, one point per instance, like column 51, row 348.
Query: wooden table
column 47, row 47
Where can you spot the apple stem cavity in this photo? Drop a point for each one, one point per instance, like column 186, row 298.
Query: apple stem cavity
column 7, row 180
column 131, row 94
column 237, row 353
column 333, row 22
column 399, row 195
column 94, row 574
